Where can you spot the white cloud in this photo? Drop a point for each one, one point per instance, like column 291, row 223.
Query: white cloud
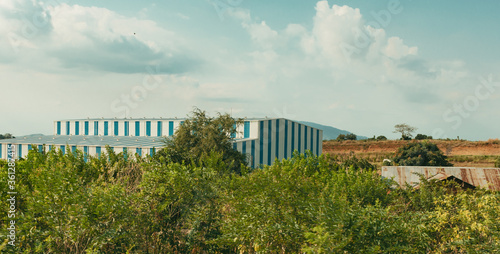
column 343, row 66
column 295, row 30
column 91, row 38
column 341, row 34
column 262, row 34
column 340, row 39
column 340, row 70
column 20, row 22
column 396, row 49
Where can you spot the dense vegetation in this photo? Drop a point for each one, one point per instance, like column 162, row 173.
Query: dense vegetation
column 308, row 204
column 350, row 136
column 6, row 136
column 422, row 137
column 420, row 154
column 199, row 136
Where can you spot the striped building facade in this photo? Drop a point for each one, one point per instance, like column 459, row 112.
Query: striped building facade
column 278, row 139
column 94, row 146
column 262, row 140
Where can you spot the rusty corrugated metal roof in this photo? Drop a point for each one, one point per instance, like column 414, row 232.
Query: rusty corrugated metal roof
column 479, row 177
column 445, row 177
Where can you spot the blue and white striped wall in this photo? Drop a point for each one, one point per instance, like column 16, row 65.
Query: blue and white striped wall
column 134, row 127
column 262, row 140
column 21, row 150
column 117, row 127
column 278, row 139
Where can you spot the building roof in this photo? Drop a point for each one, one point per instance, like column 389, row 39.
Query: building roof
column 148, row 119
column 441, row 177
column 112, row 141
column 479, row 177
column 123, row 119
column 79, row 140
column 177, row 119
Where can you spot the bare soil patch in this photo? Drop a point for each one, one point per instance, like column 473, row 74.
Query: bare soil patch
column 461, row 153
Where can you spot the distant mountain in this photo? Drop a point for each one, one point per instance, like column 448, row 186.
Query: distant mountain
column 330, row 132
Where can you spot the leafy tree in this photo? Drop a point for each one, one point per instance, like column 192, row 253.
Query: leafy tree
column 199, row 136
column 420, row 154
column 422, row 137
column 351, row 136
column 381, row 137
column 341, row 137
column 6, row 136
column 405, row 130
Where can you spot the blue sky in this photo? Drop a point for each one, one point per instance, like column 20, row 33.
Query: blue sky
column 363, row 66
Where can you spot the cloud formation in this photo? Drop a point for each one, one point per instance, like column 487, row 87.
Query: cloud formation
column 90, row 38
column 345, row 66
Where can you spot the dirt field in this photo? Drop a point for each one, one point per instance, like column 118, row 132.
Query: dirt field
column 461, row 153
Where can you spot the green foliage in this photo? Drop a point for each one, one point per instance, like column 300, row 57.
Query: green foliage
column 350, row 136
column 200, row 135
column 273, row 209
column 467, row 223
column 179, row 207
column 497, row 163
column 378, row 138
column 64, row 206
column 420, row 154
column 341, row 137
column 422, row 137
column 306, row 204
column 6, row 136
column 355, row 163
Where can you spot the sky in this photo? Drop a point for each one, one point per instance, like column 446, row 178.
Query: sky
column 361, row 66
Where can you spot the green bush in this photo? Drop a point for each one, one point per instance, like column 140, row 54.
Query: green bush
column 350, row 136
column 420, row 154
column 277, row 208
column 357, row 164
column 341, row 137
column 199, row 136
column 306, row 204
column 422, row 137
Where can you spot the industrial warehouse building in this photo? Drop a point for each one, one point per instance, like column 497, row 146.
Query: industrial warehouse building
column 262, row 139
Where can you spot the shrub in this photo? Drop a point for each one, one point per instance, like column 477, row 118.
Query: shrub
column 351, row 136
column 463, row 223
column 357, row 164
column 6, row 136
column 421, row 154
column 422, row 137
column 381, row 137
column 199, row 136
column 306, row 204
